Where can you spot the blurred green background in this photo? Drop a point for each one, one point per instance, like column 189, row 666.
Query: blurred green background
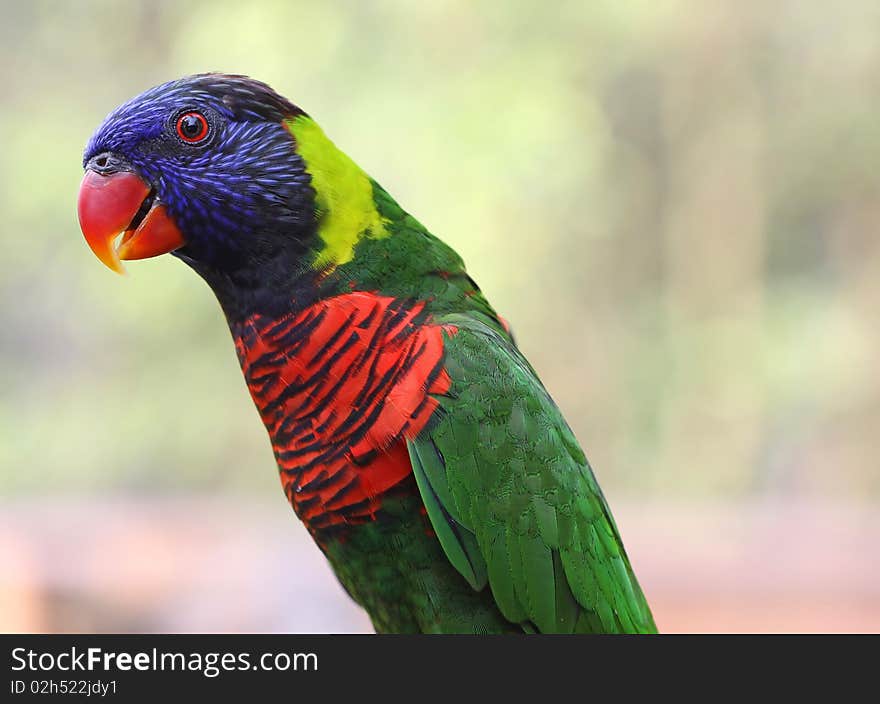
column 675, row 204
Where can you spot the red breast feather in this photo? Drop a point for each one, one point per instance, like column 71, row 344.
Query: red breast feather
column 339, row 387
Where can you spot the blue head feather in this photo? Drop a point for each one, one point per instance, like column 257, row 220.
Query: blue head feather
column 239, row 197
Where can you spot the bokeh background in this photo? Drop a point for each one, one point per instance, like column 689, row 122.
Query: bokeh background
column 676, row 204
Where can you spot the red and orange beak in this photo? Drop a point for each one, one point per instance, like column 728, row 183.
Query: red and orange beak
column 121, row 203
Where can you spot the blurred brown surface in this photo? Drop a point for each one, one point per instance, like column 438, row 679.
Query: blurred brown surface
column 222, row 565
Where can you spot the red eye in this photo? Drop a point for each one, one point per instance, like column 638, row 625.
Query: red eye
column 192, row 127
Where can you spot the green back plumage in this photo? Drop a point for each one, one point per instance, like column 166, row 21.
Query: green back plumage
column 521, row 507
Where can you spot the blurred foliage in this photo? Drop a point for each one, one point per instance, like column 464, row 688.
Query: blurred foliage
column 675, row 204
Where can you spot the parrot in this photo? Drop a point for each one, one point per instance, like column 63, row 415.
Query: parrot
column 412, row 438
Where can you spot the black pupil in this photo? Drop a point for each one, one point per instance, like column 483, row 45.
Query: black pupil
column 190, row 126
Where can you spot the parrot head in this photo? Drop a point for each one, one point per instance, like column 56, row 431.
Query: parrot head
column 205, row 167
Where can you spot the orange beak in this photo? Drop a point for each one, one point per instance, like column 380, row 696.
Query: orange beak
column 120, row 204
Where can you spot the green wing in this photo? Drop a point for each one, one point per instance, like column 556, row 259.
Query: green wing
column 513, row 500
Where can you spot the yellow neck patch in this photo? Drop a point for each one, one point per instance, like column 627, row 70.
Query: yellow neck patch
column 343, row 195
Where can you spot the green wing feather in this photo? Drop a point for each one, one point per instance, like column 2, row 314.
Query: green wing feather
column 512, row 497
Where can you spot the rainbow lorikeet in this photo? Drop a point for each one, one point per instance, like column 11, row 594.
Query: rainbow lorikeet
column 413, row 439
